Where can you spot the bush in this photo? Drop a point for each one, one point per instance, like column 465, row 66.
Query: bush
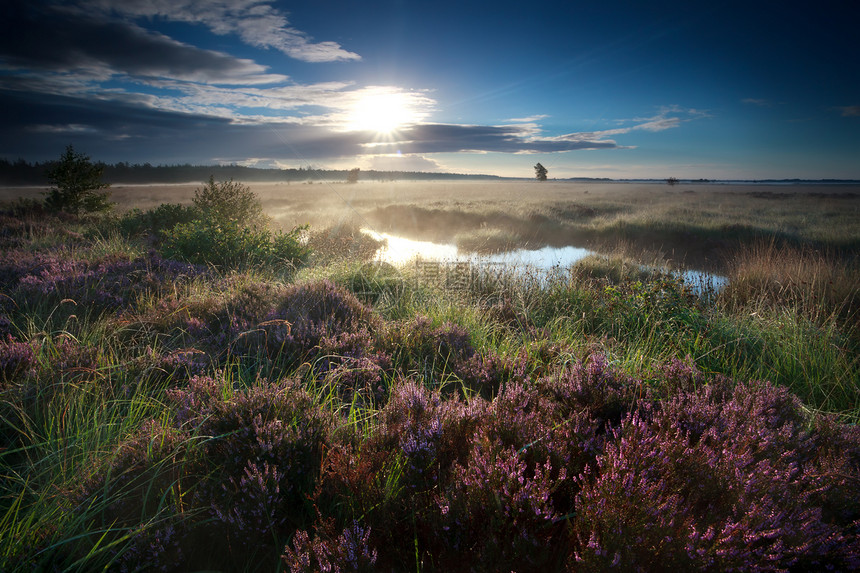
column 157, row 222
column 17, row 359
column 502, row 510
column 350, row 551
column 725, row 480
column 229, row 201
column 77, row 184
column 227, row 244
column 264, row 446
column 226, row 228
column 112, row 282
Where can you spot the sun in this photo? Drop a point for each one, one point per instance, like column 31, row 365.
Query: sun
column 382, row 111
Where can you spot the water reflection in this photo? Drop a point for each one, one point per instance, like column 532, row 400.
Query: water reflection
column 400, row 251
column 703, row 282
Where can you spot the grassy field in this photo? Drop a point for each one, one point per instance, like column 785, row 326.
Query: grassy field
column 325, row 412
column 694, row 225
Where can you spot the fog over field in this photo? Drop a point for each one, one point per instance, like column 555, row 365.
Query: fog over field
column 689, row 224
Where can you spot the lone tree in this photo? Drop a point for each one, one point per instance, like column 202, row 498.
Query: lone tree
column 77, row 185
column 540, row 172
column 352, row 176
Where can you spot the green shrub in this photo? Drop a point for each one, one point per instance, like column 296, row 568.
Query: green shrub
column 225, row 228
column 226, row 244
column 229, row 201
column 157, row 221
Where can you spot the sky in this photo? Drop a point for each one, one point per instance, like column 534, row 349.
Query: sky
column 657, row 89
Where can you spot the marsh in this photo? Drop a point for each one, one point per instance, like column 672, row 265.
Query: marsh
column 690, row 225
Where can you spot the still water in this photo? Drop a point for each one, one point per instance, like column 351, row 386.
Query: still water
column 400, row 251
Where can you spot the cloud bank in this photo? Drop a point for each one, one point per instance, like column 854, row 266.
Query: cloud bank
column 115, row 127
column 53, row 40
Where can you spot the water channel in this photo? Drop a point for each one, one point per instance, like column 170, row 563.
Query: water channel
column 399, row 251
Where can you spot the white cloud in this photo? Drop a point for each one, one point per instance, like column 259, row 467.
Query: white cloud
column 669, row 117
column 331, row 102
column 529, row 119
column 258, row 162
column 659, row 124
column 398, row 162
column 256, row 22
column 64, row 128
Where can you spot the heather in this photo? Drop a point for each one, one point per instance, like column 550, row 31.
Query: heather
column 325, row 414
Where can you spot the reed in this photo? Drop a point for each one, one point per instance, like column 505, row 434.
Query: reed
column 819, row 286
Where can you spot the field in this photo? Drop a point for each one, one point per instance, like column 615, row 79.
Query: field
column 696, row 225
column 184, row 396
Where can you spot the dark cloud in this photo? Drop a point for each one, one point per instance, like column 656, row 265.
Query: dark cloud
column 449, row 138
column 757, row 101
column 38, row 126
column 40, row 37
column 122, row 127
column 23, row 112
column 424, row 139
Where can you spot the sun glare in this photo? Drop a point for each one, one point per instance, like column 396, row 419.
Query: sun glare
column 382, row 112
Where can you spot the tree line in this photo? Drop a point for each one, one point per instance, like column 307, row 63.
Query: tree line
column 21, row 172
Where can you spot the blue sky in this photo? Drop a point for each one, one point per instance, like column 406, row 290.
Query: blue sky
column 719, row 90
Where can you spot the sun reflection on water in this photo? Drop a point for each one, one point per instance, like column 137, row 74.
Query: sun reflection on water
column 400, row 251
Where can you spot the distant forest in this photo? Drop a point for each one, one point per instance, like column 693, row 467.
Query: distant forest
column 20, row 172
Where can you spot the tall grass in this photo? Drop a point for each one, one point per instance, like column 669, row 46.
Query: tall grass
column 819, row 286
column 58, row 430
